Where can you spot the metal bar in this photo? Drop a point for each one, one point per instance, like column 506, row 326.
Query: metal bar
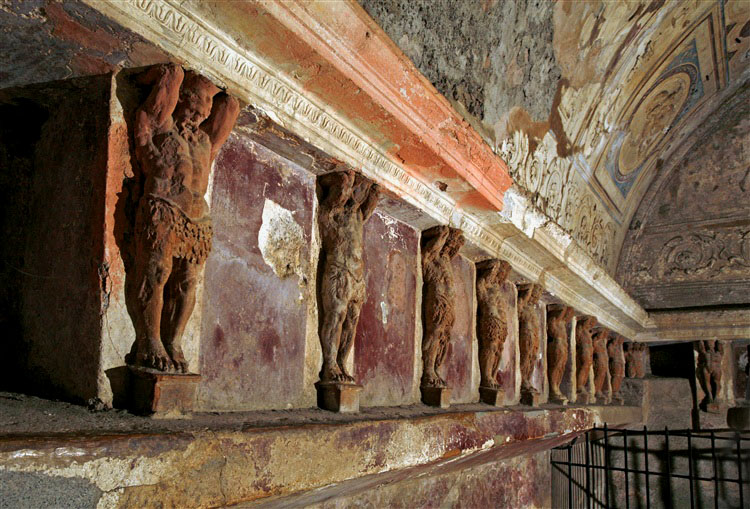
column 570, row 479
column 666, row 443
column 625, row 455
column 588, row 473
column 651, row 472
column 739, row 471
column 716, row 482
column 606, row 467
column 645, row 454
column 690, row 467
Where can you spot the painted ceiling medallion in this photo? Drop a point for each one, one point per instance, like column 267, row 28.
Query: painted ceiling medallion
column 652, row 120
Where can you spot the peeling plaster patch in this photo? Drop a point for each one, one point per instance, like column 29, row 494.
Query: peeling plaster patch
column 281, row 240
column 384, row 311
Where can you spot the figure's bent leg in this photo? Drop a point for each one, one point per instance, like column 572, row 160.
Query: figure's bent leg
column 152, row 272
column 178, row 307
column 348, row 331
column 430, row 347
column 445, row 337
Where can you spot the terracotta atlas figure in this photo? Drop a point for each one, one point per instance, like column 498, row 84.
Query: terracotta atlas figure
column 440, row 245
column 708, row 370
column 601, row 364
column 616, row 365
column 558, row 320
column 529, row 335
column 584, row 358
column 492, row 324
column 347, row 200
column 178, row 132
column 635, row 360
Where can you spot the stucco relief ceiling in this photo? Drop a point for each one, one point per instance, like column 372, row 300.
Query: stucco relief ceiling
column 689, row 241
column 627, row 83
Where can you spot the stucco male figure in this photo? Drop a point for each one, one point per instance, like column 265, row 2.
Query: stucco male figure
column 440, row 244
column 710, row 354
column 635, row 360
column 178, row 132
column 601, row 365
column 529, row 337
column 347, row 200
column 584, row 358
column 558, row 320
column 616, row 366
column 492, row 326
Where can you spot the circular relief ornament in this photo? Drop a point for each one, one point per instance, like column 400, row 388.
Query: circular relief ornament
column 652, row 119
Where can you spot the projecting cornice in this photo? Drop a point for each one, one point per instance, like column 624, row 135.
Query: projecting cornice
column 327, row 72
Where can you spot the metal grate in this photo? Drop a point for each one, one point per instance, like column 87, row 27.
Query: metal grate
column 642, row 468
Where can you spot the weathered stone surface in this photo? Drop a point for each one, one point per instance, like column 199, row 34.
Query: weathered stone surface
column 665, row 401
column 236, row 462
column 488, row 58
column 255, row 322
column 386, row 346
column 161, row 395
column 55, row 278
column 338, row 397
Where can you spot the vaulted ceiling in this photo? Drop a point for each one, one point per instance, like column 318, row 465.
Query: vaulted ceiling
column 625, row 122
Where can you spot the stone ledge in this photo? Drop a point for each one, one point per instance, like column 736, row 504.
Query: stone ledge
column 212, row 459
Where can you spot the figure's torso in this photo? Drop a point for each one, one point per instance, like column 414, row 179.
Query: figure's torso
column 177, row 169
column 342, row 240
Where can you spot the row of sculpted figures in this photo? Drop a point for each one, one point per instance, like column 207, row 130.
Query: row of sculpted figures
column 177, row 134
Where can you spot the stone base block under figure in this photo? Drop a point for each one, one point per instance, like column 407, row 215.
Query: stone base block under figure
column 440, row 245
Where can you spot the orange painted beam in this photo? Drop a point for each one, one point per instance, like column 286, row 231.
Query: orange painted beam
column 428, row 136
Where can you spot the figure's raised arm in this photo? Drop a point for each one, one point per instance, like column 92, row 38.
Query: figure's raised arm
column 368, row 206
column 156, row 112
column 336, row 187
column 433, row 240
column 220, row 123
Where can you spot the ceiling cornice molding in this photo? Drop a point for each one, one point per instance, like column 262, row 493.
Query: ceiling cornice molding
column 537, row 248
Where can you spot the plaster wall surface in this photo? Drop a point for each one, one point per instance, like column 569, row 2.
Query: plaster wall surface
column 53, row 209
column 384, row 353
column 259, row 282
column 461, row 367
column 509, row 375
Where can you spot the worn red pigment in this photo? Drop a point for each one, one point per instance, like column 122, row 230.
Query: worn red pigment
column 457, row 367
column 384, row 344
column 253, row 333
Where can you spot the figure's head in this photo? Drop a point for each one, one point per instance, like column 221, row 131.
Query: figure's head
column 493, row 271
column 601, row 334
column 195, row 102
column 561, row 311
column 586, row 322
column 454, row 242
column 528, row 295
